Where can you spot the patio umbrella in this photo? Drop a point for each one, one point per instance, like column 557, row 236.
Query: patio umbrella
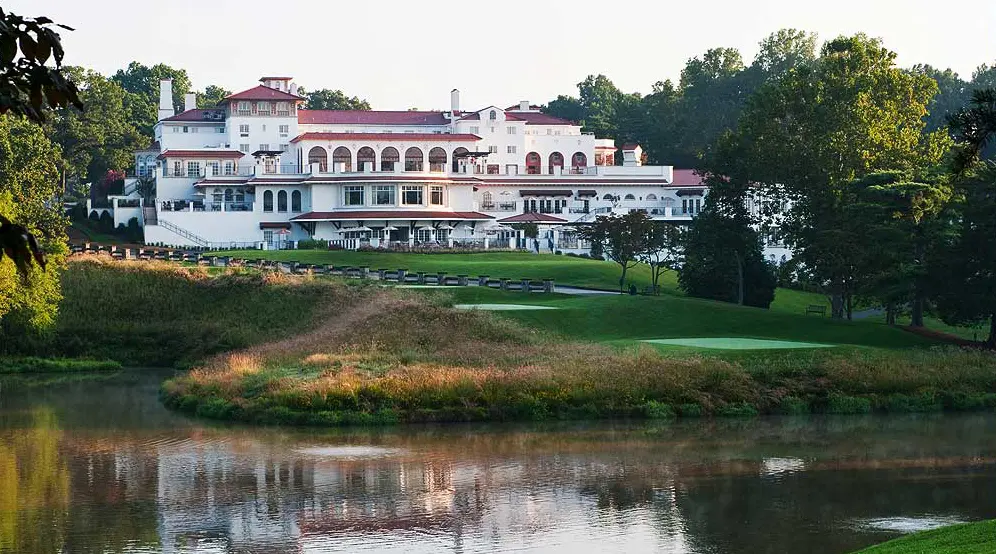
column 426, row 227
column 390, row 228
column 445, row 226
column 361, row 228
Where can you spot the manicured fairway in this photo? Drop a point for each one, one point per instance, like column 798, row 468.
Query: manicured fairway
column 731, row 343
column 502, row 307
column 969, row 538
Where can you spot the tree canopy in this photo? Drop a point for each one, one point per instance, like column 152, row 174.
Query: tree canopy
column 326, row 99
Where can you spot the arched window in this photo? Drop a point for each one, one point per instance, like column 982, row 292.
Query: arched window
column 578, row 161
column 268, row 201
column 296, row 201
column 365, row 156
column 388, row 158
column 487, row 201
column 229, row 195
column 533, row 162
column 629, row 197
column 556, row 160
column 413, row 159
column 437, row 160
column 343, row 156
column 608, row 197
column 282, row 201
column 652, row 197
column 457, row 157
column 493, row 115
column 318, row 155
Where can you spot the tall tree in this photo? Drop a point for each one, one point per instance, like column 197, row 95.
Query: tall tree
column 29, row 193
column 661, row 250
column 821, row 126
column 565, row 107
column 599, row 99
column 326, row 99
column 27, row 87
column 970, row 292
column 781, row 52
column 100, row 138
column 142, row 85
column 212, row 96
column 952, row 95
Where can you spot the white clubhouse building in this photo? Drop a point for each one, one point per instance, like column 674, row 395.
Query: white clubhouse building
column 261, row 171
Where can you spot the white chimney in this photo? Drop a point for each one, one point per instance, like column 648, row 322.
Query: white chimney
column 455, row 100
column 524, row 105
column 293, row 89
column 165, row 99
column 189, row 101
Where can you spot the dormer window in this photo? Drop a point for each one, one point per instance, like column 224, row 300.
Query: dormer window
column 244, row 108
column 282, row 108
column 263, row 108
column 493, row 115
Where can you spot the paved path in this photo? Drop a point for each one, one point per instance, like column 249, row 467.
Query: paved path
column 581, row 292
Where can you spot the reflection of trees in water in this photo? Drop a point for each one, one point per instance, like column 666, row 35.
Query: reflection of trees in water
column 34, row 486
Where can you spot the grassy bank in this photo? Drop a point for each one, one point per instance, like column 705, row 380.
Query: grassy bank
column 159, row 314
column 404, row 356
column 54, row 365
column 969, row 538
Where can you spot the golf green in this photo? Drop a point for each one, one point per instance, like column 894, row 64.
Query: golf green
column 733, row 343
column 501, row 307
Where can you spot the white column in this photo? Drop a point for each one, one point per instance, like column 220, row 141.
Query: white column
column 377, row 160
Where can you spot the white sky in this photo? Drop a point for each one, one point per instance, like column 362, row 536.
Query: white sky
column 400, row 54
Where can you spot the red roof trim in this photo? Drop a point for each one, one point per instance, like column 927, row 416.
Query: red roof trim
column 532, row 217
column 221, row 154
column 389, row 214
column 197, row 115
column 399, row 137
column 274, row 224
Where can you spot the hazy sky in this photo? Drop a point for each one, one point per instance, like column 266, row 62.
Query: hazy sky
column 405, row 54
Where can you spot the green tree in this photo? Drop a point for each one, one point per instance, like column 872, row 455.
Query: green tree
column 812, row 132
column 27, row 83
column 969, row 291
column 142, row 85
column 98, row 139
column 29, row 195
column 565, row 107
column 623, row 239
column 661, row 250
column 781, row 52
column 723, row 260
column 905, row 215
column 212, row 96
column 952, row 95
column 326, row 99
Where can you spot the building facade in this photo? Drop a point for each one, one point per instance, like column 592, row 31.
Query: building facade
column 259, row 170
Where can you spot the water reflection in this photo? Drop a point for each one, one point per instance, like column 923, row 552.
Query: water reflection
column 101, row 467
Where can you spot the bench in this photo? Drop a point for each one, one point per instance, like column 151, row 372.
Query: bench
column 816, row 309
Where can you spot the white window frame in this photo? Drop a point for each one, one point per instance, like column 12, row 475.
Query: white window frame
column 244, row 108
column 511, row 130
column 352, row 189
column 193, row 169
column 244, row 130
column 511, row 149
column 413, row 189
column 493, row 149
column 283, row 130
column 391, row 189
column 264, row 146
column 437, row 189
column 229, row 168
column 260, row 108
column 244, row 148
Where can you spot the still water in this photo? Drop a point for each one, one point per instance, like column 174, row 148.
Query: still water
column 100, row 466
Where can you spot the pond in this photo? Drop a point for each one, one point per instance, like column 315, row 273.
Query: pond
column 98, row 465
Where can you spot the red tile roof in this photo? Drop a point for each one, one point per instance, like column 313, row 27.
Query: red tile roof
column 259, row 92
column 515, row 108
column 687, row 177
column 344, row 215
column 399, row 177
column 209, row 154
column 199, row 114
column 630, row 146
column 368, row 117
column 428, row 137
column 532, row 217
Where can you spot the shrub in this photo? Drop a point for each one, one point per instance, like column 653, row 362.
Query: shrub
column 792, row 405
column 690, row 410
column 843, row 404
column 658, row 410
column 312, row 244
column 106, row 222
column 924, row 402
column 738, row 409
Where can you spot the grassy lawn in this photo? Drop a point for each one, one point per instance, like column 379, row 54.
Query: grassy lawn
column 627, row 319
column 565, row 270
column 969, row 538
